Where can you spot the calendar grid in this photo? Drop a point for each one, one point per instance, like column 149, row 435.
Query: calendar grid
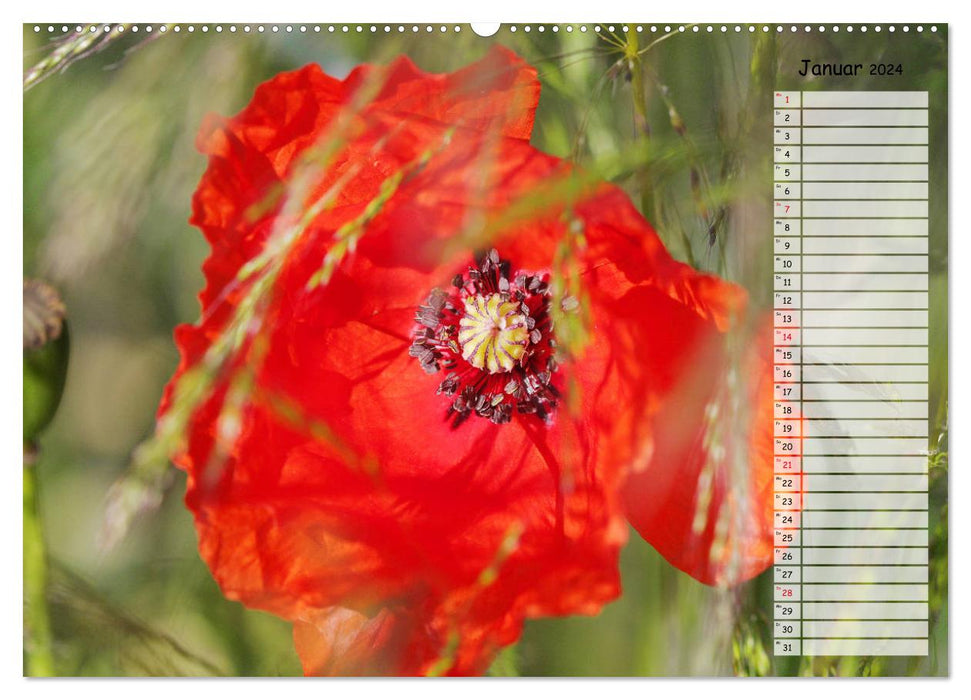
column 851, row 373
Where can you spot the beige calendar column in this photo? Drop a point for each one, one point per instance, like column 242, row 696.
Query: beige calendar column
column 864, row 373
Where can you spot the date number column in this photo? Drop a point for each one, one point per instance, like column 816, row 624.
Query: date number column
column 787, row 380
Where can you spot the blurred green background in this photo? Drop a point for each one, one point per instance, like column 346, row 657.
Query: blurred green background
column 109, row 169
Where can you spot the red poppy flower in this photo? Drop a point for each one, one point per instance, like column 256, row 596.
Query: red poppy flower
column 460, row 350
column 704, row 499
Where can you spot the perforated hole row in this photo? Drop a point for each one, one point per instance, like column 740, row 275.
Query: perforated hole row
column 442, row 28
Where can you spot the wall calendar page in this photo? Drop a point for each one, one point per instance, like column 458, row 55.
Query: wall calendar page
column 580, row 349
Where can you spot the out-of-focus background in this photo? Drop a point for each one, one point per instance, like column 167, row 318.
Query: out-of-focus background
column 109, row 169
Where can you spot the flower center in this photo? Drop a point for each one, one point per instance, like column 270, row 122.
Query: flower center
column 492, row 336
column 493, row 333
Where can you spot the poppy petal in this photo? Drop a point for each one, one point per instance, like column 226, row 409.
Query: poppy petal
column 704, row 498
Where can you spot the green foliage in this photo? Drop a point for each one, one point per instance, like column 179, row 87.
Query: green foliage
column 749, row 655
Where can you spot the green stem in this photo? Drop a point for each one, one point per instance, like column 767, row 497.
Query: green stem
column 39, row 660
column 640, row 119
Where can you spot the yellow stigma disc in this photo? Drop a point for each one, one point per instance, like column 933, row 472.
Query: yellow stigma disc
column 493, row 333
